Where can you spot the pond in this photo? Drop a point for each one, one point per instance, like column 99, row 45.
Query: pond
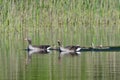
column 17, row 64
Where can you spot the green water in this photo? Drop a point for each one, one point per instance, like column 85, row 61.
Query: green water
column 86, row 66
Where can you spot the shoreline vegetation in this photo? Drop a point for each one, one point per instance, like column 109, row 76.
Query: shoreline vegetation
column 95, row 19
column 62, row 13
column 73, row 22
column 87, row 19
column 90, row 16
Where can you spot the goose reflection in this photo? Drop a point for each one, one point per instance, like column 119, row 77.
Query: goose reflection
column 61, row 54
column 31, row 52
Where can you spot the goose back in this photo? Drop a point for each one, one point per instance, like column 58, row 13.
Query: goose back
column 42, row 46
column 72, row 47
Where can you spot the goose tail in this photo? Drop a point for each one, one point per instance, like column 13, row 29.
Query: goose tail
column 78, row 49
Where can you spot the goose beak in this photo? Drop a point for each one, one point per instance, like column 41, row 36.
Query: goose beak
column 58, row 40
column 25, row 39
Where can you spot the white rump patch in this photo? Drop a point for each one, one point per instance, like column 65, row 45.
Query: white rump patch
column 78, row 49
column 48, row 49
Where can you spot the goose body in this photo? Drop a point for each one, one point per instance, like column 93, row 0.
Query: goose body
column 69, row 49
column 36, row 48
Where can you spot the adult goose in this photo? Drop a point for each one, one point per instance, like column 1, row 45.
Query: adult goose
column 69, row 49
column 36, row 48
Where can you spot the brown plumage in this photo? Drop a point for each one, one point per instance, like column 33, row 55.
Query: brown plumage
column 38, row 48
column 70, row 48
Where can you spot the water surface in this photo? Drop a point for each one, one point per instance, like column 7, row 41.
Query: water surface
column 15, row 65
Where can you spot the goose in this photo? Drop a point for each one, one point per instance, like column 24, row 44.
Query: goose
column 69, row 49
column 36, row 48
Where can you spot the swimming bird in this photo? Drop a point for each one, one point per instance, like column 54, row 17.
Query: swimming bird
column 37, row 48
column 70, row 49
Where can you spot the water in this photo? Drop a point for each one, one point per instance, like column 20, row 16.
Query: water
column 85, row 66
column 15, row 64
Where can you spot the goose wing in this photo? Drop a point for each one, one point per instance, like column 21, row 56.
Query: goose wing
column 42, row 46
column 72, row 47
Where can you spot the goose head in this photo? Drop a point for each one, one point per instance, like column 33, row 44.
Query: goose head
column 59, row 43
column 29, row 40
